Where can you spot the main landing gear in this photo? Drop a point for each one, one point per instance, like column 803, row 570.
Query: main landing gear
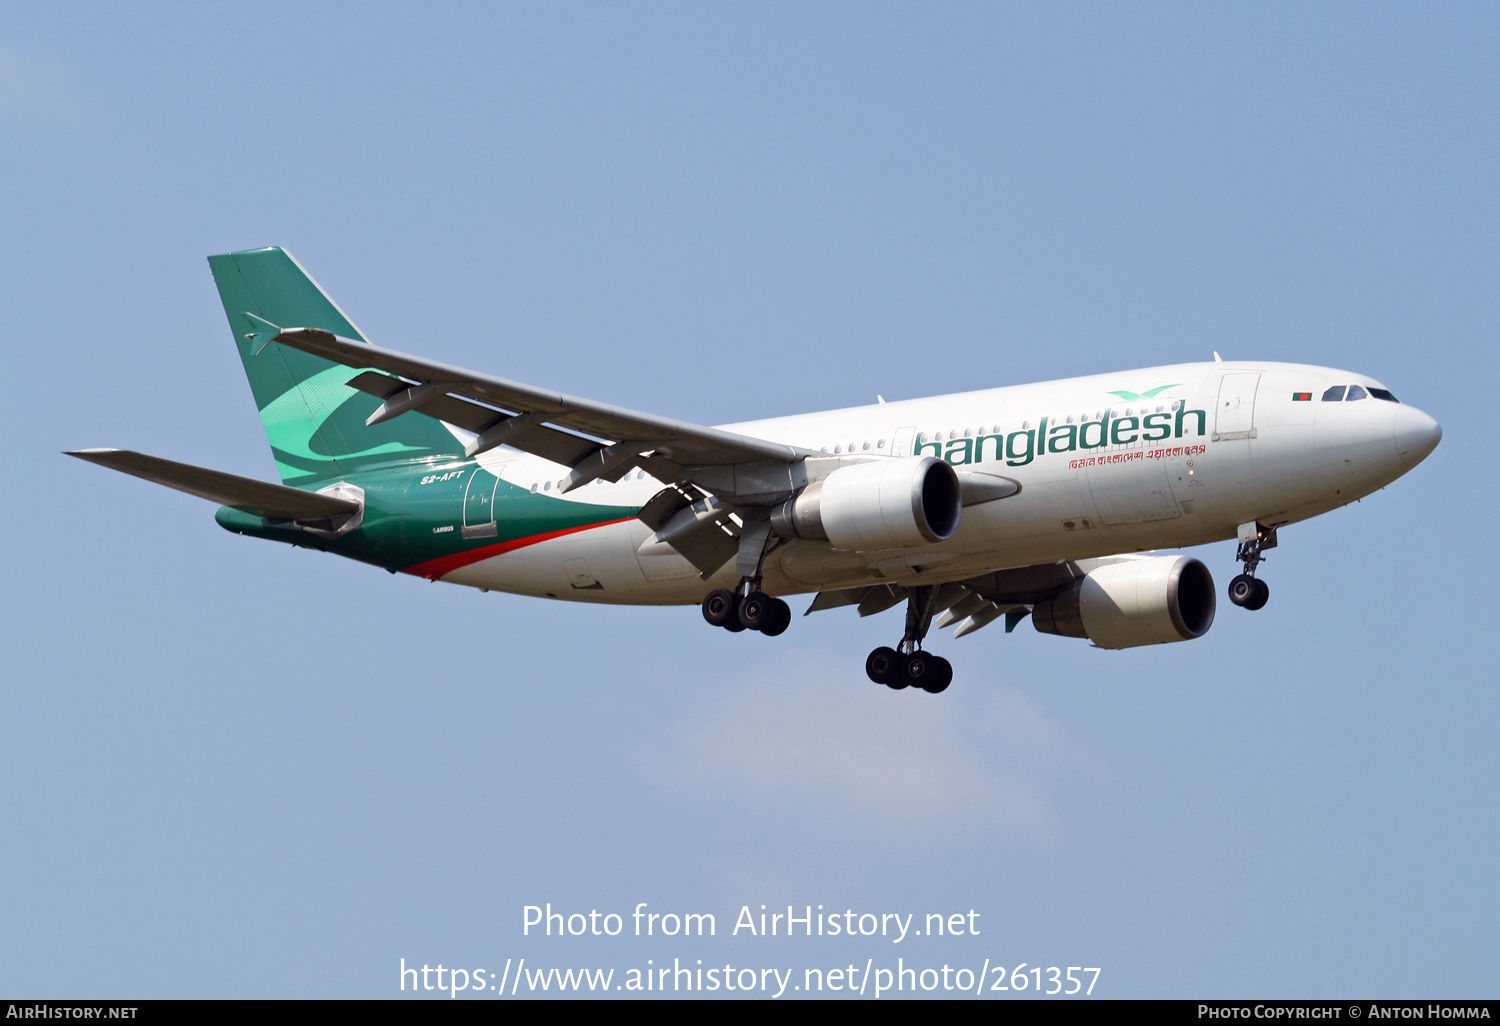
column 907, row 666
column 917, row 669
column 747, row 608
column 1248, row 590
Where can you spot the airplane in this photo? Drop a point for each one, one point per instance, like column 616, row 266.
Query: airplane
column 1050, row 500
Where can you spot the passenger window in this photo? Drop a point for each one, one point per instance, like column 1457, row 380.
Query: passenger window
column 1381, row 393
column 1334, row 394
column 1355, row 392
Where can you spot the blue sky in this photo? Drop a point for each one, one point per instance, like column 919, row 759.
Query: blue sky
column 236, row 769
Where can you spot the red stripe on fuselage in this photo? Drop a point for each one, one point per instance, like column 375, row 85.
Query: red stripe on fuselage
column 434, row 569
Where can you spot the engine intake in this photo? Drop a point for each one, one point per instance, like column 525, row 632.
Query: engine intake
column 884, row 504
column 1141, row 602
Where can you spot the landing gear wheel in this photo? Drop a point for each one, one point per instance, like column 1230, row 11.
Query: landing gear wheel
column 939, row 677
column 1243, row 590
column 721, row 608
column 757, row 611
column 780, row 621
column 883, row 666
column 1260, row 596
column 920, row 670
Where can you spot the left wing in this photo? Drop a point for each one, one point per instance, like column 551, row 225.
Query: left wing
column 978, row 601
column 502, row 412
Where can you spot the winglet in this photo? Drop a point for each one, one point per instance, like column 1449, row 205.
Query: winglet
column 261, row 332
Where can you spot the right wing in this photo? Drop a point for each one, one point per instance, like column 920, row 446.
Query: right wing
column 501, row 412
column 596, row 441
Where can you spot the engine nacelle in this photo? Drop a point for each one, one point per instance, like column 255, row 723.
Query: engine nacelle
column 1140, row 602
column 884, row 504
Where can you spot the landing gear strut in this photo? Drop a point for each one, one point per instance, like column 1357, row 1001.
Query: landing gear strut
column 907, row 666
column 1247, row 590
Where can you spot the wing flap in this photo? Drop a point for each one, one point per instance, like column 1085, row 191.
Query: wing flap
column 836, row 599
column 533, row 436
column 258, row 498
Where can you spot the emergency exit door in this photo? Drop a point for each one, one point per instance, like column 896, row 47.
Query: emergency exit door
column 1235, row 417
column 479, row 505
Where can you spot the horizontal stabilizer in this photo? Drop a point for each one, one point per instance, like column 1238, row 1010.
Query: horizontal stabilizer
column 258, row 498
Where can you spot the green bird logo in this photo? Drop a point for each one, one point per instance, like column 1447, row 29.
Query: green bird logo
column 1150, row 393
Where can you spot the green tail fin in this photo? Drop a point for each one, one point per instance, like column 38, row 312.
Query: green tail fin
column 314, row 421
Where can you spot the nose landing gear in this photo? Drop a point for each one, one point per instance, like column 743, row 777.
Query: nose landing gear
column 910, row 667
column 1247, row 590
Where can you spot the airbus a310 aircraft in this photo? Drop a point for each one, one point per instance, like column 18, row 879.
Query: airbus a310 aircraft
column 1039, row 500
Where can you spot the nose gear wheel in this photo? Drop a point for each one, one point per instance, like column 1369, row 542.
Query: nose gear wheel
column 1247, row 590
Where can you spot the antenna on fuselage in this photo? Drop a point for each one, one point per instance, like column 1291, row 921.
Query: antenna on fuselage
column 1217, row 357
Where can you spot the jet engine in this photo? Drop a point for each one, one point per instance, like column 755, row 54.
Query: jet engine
column 1140, row 602
column 884, row 504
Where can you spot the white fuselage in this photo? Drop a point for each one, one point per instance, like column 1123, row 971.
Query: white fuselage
column 1254, row 453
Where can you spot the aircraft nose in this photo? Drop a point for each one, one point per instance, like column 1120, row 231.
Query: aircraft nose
column 1416, row 435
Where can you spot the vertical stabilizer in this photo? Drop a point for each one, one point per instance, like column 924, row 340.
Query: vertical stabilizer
column 314, row 421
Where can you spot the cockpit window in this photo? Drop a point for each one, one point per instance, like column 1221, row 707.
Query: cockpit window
column 1334, row 394
column 1356, row 392
column 1381, row 393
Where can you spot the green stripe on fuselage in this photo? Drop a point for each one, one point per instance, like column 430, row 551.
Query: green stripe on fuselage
column 415, row 514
